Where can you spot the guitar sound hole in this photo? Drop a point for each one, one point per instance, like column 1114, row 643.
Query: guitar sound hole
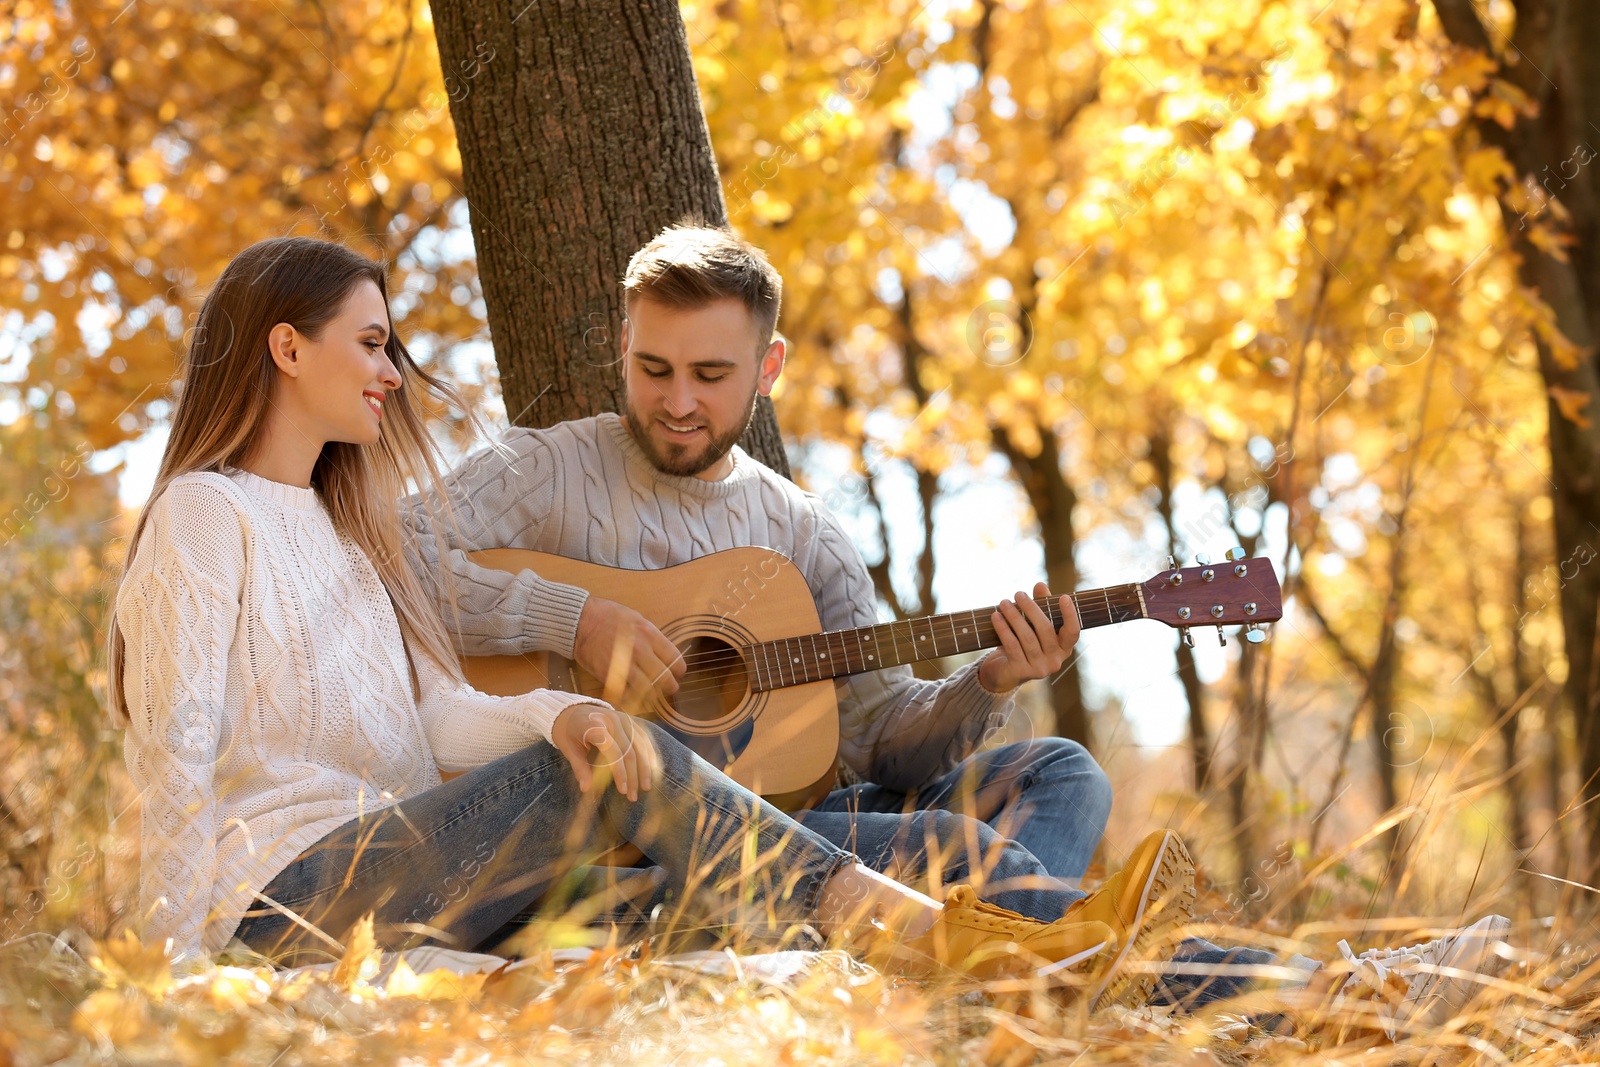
column 715, row 683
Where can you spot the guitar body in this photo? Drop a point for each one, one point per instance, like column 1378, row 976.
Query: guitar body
column 758, row 698
column 781, row 743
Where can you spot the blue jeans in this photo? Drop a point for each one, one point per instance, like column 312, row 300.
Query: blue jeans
column 1019, row 820
column 452, row 865
column 1203, row 975
column 1023, row 820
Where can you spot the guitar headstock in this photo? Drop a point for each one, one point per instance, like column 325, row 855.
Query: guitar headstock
column 1236, row 592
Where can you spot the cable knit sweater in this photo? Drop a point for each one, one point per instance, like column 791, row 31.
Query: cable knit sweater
column 585, row 490
column 270, row 698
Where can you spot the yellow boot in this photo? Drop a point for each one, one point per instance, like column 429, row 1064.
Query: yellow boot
column 1141, row 904
column 984, row 941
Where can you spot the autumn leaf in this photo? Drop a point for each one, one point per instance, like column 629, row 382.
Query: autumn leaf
column 126, row 961
column 1572, row 403
column 209, row 1041
column 440, row 984
column 225, row 988
column 1552, row 242
column 361, row 958
column 116, row 1015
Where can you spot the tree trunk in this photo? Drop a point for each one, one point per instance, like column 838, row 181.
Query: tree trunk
column 1550, row 58
column 1250, row 712
column 1188, row 676
column 1053, row 499
column 915, row 354
column 581, row 137
column 1522, row 683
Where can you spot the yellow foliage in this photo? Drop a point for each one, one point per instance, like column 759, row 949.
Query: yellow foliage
column 1572, row 403
column 440, row 984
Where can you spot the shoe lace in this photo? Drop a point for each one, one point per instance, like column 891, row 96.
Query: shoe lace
column 983, row 907
column 1001, row 913
column 1403, row 954
column 1381, row 969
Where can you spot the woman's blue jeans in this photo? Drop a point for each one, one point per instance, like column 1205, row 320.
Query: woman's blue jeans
column 452, row 865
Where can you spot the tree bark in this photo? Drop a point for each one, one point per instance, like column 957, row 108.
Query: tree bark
column 1250, row 712
column 581, row 137
column 915, row 354
column 1550, row 58
column 1053, row 499
column 1188, row 675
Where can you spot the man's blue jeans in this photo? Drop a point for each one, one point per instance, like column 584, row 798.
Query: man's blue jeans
column 452, row 865
column 1021, row 820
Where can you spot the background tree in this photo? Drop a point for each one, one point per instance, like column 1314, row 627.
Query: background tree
column 610, row 146
column 1541, row 117
column 1272, row 298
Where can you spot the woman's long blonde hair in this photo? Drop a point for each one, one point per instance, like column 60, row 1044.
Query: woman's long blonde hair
column 228, row 381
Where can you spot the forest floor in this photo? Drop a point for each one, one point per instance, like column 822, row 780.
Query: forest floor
column 118, row 1002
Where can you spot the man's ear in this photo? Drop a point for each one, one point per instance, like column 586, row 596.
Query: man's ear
column 771, row 366
column 282, row 342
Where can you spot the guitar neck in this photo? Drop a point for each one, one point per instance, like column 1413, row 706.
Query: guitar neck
column 814, row 657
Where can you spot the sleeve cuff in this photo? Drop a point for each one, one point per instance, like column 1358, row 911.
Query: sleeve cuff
column 546, row 705
column 552, row 616
column 968, row 692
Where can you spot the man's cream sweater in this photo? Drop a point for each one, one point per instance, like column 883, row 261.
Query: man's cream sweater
column 585, row 490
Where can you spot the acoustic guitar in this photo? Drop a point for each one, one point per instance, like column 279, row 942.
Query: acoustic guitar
column 757, row 699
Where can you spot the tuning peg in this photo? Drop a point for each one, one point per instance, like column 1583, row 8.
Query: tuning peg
column 1203, row 560
column 1172, row 562
column 1222, row 638
column 1188, row 638
column 1235, row 554
column 1253, row 633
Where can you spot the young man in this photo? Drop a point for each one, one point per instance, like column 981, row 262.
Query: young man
column 666, row 483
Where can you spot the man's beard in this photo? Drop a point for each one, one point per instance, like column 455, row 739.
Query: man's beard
column 682, row 460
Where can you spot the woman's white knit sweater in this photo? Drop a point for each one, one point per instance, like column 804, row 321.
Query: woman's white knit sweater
column 270, row 698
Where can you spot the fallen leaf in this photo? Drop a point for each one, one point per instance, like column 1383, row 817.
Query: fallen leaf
column 114, row 1015
column 361, row 958
column 440, row 984
column 210, row 1042
column 126, row 961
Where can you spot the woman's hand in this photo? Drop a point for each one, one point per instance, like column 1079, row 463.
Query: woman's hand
column 621, row 747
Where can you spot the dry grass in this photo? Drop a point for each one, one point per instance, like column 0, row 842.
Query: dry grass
column 122, row 1004
column 114, row 1001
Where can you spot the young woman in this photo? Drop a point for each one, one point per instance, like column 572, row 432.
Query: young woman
column 291, row 694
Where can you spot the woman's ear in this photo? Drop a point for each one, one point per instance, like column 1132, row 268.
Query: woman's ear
column 283, row 346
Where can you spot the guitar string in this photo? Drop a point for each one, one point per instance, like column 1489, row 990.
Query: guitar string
column 1089, row 621
column 985, row 633
column 1089, row 615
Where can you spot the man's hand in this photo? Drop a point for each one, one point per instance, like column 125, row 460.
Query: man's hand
column 621, row 745
column 1029, row 646
column 626, row 652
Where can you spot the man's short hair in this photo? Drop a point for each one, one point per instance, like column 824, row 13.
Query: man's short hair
column 689, row 264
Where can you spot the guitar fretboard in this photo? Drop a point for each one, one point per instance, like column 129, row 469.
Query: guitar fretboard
column 798, row 660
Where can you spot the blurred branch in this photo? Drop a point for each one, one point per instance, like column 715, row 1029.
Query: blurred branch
column 1308, row 600
column 915, row 355
column 1462, row 25
column 881, row 571
column 382, row 106
column 1188, row 674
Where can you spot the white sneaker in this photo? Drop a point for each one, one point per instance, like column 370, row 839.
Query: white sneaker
column 1422, row 986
